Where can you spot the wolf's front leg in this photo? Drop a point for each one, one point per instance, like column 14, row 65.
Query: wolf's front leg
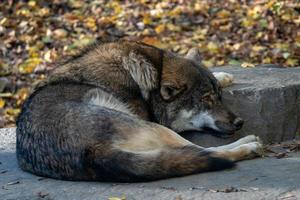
column 245, row 148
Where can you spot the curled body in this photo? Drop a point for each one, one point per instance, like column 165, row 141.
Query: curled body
column 113, row 113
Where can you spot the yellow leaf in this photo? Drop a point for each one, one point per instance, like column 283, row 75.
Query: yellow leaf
column 3, row 21
column 200, row 34
column 82, row 41
column 90, row 22
column 22, row 93
column 6, row 95
column 247, row 65
column 208, row 63
column 60, row 33
column 29, row 65
column 291, row 62
column 116, row 6
column 248, row 22
column 175, row 12
column 44, row 12
column 270, row 4
column 297, row 21
column 174, row 28
column 2, row 103
column 160, row 28
column 258, row 48
column 225, row 27
column 32, row 3
column 212, row 47
column 259, row 35
column 236, row 46
column 117, row 198
column 282, row 46
column 76, row 3
column 147, row 20
column 286, row 17
column 23, row 12
column 267, row 60
column 201, row 6
column 12, row 111
column 297, row 39
column 150, row 40
column 220, row 62
column 255, row 12
column 182, row 51
column 223, row 14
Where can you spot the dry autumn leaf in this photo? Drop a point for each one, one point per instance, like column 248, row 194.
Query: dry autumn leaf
column 2, row 103
column 246, row 65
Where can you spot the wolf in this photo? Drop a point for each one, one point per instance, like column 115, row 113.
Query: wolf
column 114, row 113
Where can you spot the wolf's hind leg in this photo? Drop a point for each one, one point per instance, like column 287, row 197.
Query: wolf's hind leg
column 164, row 163
column 152, row 151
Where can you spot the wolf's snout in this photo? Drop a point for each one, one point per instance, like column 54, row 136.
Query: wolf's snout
column 238, row 123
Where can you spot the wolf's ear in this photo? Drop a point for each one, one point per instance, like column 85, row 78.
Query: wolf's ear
column 143, row 64
column 151, row 53
column 169, row 91
column 194, row 54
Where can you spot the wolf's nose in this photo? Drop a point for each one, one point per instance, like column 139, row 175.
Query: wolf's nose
column 238, row 123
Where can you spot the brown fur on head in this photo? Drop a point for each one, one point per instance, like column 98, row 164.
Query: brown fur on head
column 189, row 97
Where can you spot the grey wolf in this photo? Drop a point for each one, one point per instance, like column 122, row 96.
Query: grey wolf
column 113, row 113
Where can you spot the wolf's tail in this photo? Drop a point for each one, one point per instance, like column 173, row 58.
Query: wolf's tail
column 153, row 165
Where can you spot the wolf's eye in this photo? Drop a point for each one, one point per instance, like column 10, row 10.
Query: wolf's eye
column 209, row 99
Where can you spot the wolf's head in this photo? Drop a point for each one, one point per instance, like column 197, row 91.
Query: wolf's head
column 189, row 98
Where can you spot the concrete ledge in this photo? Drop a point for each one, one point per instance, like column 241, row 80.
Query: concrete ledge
column 253, row 179
column 267, row 98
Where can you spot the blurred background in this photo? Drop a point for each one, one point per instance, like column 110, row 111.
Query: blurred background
column 34, row 34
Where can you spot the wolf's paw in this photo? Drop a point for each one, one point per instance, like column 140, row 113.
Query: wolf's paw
column 248, row 139
column 255, row 149
column 225, row 79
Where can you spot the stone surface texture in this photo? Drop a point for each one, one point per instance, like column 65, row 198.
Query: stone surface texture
column 267, row 98
column 263, row 178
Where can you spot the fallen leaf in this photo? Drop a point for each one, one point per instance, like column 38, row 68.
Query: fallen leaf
column 117, row 198
column 13, row 183
column 160, row 28
column 2, row 103
column 247, row 65
column 60, row 33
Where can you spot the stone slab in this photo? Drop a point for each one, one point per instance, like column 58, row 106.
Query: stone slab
column 268, row 99
column 264, row 178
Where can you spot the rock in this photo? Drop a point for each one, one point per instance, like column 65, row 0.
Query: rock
column 267, row 98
